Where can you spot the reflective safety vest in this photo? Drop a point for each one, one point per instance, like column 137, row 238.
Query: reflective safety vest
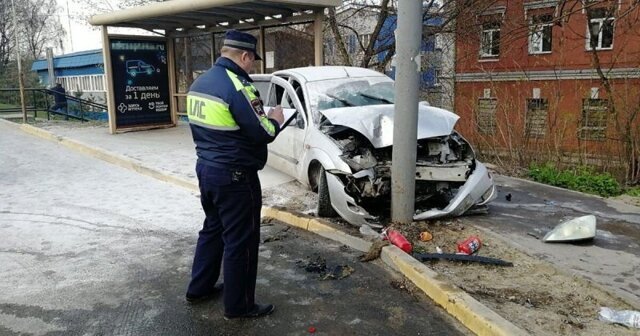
column 228, row 122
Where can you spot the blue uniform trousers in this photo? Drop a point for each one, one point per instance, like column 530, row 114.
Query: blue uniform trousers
column 231, row 201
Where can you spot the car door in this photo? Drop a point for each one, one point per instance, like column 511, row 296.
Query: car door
column 289, row 144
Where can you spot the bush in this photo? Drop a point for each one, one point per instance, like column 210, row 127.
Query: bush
column 582, row 179
column 635, row 192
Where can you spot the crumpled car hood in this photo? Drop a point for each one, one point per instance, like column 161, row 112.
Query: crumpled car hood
column 375, row 122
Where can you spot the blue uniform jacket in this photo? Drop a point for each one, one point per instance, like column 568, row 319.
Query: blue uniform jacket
column 244, row 149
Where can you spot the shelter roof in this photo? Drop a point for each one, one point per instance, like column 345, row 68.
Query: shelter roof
column 213, row 15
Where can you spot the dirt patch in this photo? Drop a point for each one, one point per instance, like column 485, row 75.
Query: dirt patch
column 532, row 294
column 631, row 200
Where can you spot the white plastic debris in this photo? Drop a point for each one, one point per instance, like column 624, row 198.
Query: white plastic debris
column 369, row 234
column 629, row 318
column 581, row 228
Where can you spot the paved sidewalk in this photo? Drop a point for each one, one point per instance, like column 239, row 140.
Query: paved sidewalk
column 170, row 150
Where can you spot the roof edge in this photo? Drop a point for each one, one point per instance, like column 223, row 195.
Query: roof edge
column 180, row 6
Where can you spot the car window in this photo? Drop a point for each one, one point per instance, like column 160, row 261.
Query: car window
column 275, row 96
column 262, row 87
column 344, row 92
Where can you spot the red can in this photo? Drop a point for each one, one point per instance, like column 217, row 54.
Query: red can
column 470, row 246
column 396, row 238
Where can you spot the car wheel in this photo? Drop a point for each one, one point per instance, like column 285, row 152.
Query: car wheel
column 324, row 208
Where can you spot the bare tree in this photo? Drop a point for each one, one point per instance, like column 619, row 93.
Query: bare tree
column 40, row 25
column 6, row 42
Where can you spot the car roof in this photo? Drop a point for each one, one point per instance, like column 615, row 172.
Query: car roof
column 318, row 73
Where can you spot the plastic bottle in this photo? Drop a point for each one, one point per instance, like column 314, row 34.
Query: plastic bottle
column 629, row 318
column 470, row 246
column 397, row 239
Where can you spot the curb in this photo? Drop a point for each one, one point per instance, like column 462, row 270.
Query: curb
column 472, row 314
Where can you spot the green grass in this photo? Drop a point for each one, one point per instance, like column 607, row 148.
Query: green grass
column 635, row 192
column 583, row 179
column 4, row 106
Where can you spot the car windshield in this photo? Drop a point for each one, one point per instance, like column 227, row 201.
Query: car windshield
column 344, row 92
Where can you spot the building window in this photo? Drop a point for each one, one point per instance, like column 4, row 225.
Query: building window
column 536, row 120
column 351, row 44
column 486, row 115
column 541, row 35
column 330, row 46
column 593, row 125
column 438, row 42
column 436, row 77
column 490, row 41
column 365, row 38
column 600, row 34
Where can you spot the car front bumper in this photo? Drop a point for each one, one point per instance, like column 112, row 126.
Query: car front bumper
column 479, row 189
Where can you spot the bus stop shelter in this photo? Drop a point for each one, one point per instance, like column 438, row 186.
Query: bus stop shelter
column 137, row 67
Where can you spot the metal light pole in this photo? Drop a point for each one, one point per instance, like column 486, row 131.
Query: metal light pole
column 403, row 172
column 20, row 77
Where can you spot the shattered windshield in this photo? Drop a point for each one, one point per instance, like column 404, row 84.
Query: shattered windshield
column 345, row 92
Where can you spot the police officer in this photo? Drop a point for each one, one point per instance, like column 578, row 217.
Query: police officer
column 231, row 132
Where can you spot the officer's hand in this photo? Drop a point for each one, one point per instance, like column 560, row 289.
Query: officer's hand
column 276, row 114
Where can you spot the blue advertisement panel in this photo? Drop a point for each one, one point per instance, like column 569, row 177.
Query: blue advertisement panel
column 140, row 82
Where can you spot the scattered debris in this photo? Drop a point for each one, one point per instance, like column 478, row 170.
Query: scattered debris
column 470, row 246
column 425, row 236
column 312, row 329
column 315, row 264
column 267, row 221
column 629, row 318
column 533, row 235
column 374, row 250
column 461, row 257
column 581, row 228
column 369, row 234
column 278, row 235
column 338, row 272
column 400, row 285
column 439, row 250
column 396, row 238
column 508, row 197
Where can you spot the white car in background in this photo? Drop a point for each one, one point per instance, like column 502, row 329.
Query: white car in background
column 340, row 145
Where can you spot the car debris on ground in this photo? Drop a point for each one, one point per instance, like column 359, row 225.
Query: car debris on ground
column 317, row 264
column 576, row 229
column 462, row 257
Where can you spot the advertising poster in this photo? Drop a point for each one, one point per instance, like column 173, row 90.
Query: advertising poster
column 140, row 82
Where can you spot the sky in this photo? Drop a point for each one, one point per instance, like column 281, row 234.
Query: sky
column 81, row 33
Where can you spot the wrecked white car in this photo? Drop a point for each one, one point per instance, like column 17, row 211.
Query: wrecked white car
column 340, row 145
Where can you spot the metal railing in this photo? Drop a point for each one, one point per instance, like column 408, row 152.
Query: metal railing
column 39, row 100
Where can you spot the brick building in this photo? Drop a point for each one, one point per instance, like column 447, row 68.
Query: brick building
column 551, row 80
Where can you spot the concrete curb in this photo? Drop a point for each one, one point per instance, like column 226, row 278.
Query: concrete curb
column 471, row 313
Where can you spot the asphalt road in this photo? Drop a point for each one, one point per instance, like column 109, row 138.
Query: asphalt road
column 88, row 248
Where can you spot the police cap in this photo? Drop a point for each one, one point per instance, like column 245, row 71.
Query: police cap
column 239, row 40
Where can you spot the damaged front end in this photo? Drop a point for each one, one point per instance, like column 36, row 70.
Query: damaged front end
column 449, row 181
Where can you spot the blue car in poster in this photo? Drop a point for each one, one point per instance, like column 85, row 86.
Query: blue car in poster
column 135, row 67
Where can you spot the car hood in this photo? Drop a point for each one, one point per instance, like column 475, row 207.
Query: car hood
column 375, row 122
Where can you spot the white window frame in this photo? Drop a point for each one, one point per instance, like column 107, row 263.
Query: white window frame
column 364, row 39
column 536, row 37
column 600, row 22
column 436, row 77
column 490, row 33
